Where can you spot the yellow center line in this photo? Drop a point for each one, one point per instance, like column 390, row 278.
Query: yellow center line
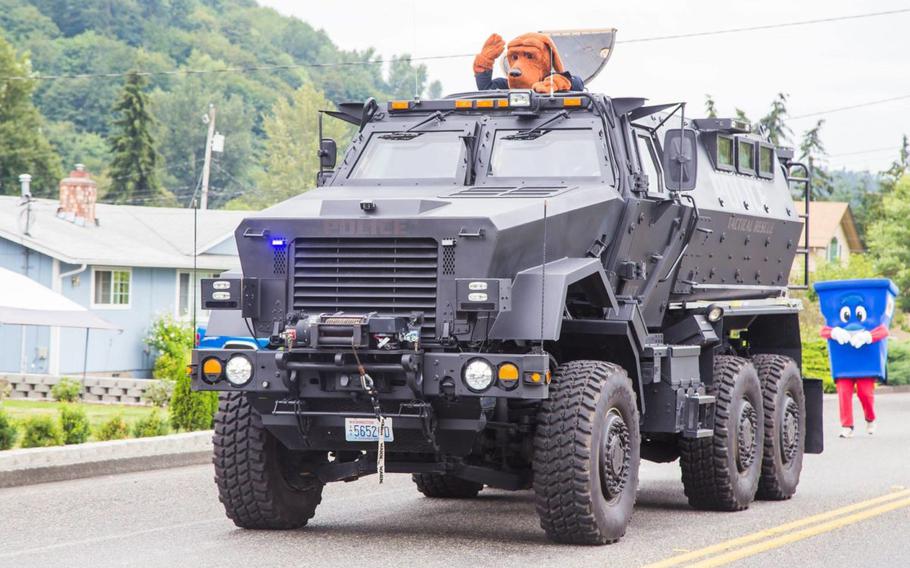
column 829, row 526
column 766, row 533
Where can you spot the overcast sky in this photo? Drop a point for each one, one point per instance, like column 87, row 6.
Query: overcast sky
column 821, row 66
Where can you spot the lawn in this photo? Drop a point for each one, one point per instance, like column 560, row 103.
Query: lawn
column 18, row 410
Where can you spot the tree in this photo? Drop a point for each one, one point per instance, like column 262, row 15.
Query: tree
column 23, row 146
column 889, row 237
column 134, row 178
column 710, row 106
column 811, row 152
column 773, row 123
column 898, row 167
column 292, row 140
column 406, row 81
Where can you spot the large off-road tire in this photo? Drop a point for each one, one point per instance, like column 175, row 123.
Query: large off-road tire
column 259, row 480
column 443, row 486
column 721, row 473
column 586, row 454
column 785, row 425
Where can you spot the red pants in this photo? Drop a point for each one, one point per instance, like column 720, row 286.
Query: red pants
column 865, row 389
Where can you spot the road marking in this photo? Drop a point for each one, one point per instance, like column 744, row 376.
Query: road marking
column 766, row 533
column 780, row 541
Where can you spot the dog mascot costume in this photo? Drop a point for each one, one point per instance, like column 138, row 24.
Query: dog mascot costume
column 534, row 63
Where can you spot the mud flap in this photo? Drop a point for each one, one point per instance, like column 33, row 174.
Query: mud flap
column 815, row 443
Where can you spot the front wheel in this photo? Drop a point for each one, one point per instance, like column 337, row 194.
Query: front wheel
column 785, row 423
column 260, row 482
column 586, row 454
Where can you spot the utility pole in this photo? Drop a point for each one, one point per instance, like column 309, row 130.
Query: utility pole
column 206, row 166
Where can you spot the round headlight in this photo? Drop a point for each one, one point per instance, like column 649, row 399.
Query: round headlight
column 478, row 375
column 238, row 370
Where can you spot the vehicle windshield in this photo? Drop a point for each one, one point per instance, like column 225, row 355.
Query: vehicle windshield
column 410, row 155
column 551, row 153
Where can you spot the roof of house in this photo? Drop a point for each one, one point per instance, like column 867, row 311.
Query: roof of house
column 126, row 235
column 824, row 219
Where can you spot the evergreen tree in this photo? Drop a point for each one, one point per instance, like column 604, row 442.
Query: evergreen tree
column 710, row 106
column 889, row 237
column 773, row 123
column 23, row 146
column 811, row 152
column 134, row 159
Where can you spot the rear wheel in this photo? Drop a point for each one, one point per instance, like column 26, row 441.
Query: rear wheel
column 586, row 454
column 785, row 422
column 442, row 486
column 722, row 472
column 260, row 482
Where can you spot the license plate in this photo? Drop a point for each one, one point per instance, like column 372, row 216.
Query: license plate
column 366, row 430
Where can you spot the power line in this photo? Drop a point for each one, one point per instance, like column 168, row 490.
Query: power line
column 411, row 59
column 766, row 26
column 850, row 107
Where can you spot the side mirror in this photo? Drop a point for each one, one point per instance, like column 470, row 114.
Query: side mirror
column 680, row 160
column 327, row 153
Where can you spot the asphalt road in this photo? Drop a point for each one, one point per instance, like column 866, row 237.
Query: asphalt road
column 173, row 518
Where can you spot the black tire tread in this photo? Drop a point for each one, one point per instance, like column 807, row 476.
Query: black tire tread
column 442, row 486
column 707, row 481
column 770, row 371
column 562, row 454
column 247, row 474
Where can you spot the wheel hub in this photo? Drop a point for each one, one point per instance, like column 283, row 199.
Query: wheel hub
column 615, row 455
column 745, row 436
column 789, row 431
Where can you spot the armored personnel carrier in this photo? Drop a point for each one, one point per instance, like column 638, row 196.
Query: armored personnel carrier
column 520, row 291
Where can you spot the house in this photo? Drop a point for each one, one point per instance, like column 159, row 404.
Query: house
column 832, row 233
column 129, row 264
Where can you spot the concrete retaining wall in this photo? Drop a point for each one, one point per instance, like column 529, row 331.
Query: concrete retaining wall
column 97, row 389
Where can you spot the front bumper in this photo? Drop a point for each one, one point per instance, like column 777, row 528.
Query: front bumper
column 398, row 374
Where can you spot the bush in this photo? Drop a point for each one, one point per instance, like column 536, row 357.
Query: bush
column 816, row 364
column 41, row 432
column 158, row 393
column 67, row 390
column 172, row 340
column 151, row 425
column 74, row 424
column 113, row 429
column 8, row 431
column 5, row 389
column 192, row 410
column 169, row 367
column 898, row 362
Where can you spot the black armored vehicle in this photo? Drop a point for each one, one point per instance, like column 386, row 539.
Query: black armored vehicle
column 520, row 291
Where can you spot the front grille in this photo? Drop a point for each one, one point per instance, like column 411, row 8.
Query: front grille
column 390, row 276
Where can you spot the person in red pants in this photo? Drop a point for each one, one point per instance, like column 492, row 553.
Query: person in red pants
column 865, row 386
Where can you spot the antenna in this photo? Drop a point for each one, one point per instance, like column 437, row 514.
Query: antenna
column 193, row 286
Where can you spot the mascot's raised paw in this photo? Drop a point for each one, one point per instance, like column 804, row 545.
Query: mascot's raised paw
column 492, row 48
column 553, row 83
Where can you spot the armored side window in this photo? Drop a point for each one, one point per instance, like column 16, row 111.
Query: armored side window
column 725, row 158
column 765, row 161
column 745, row 156
column 650, row 164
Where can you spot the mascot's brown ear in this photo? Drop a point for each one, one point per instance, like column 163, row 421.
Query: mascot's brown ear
column 558, row 67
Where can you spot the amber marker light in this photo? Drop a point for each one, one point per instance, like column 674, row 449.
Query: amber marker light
column 571, row 102
column 212, row 369
column 502, row 103
column 463, row 103
column 485, row 103
column 508, row 376
column 399, row 105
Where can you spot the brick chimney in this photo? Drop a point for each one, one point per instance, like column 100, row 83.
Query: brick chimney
column 78, row 194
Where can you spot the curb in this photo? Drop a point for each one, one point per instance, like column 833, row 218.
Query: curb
column 62, row 463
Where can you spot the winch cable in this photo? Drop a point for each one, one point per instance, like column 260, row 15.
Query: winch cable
column 369, row 386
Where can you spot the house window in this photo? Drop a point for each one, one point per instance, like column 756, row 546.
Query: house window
column 186, row 294
column 834, row 250
column 111, row 287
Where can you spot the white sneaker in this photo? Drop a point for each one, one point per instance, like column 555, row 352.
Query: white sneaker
column 870, row 428
column 846, row 432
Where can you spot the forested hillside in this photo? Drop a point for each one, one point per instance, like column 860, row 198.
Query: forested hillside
column 187, row 45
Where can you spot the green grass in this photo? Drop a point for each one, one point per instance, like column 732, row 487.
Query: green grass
column 19, row 410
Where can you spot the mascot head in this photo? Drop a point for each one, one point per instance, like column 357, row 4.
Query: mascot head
column 532, row 58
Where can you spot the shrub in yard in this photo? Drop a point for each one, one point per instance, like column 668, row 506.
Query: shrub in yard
column 192, row 410
column 5, row 389
column 898, row 362
column 40, row 432
column 151, row 425
column 74, row 424
column 67, row 390
column 158, row 393
column 816, row 364
column 113, row 429
column 8, row 431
